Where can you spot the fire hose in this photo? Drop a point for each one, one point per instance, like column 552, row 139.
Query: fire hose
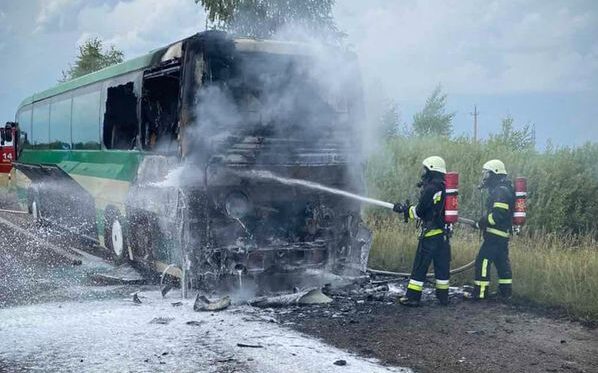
column 14, row 211
column 463, row 268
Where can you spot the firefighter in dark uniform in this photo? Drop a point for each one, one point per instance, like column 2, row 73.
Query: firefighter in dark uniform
column 433, row 243
column 496, row 226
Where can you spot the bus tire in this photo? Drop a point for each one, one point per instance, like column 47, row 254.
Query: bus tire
column 115, row 237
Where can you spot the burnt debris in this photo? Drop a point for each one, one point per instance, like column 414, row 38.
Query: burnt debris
column 202, row 303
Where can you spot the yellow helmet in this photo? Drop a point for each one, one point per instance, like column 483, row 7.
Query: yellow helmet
column 495, row 166
column 435, row 163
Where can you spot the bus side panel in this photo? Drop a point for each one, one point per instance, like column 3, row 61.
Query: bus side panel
column 104, row 176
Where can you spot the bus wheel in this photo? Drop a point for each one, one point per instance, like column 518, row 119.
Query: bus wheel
column 114, row 237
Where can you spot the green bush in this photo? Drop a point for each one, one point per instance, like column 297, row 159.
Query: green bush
column 562, row 183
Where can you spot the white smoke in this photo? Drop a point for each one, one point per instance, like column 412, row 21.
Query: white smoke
column 314, row 95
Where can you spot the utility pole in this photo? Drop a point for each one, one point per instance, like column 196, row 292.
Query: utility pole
column 475, row 122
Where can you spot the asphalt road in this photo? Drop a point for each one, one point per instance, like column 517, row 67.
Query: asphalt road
column 53, row 318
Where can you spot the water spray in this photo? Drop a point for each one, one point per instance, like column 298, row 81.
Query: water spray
column 312, row 185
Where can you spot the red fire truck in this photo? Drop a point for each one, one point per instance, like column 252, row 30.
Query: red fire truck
column 8, row 147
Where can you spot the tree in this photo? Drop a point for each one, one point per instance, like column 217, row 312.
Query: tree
column 263, row 18
column 513, row 138
column 92, row 57
column 390, row 124
column 433, row 119
column 390, row 120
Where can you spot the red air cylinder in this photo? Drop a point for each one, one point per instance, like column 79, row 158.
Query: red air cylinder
column 451, row 201
column 520, row 201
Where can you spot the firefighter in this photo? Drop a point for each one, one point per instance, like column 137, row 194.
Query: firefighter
column 496, row 226
column 433, row 243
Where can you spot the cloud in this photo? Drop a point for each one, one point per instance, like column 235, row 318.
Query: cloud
column 4, row 30
column 136, row 26
column 141, row 25
column 474, row 47
column 56, row 15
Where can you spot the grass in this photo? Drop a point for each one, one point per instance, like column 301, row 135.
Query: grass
column 548, row 269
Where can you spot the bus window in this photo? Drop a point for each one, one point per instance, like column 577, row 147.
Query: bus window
column 60, row 124
column 120, row 119
column 159, row 112
column 86, row 121
column 24, row 120
column 40, row 132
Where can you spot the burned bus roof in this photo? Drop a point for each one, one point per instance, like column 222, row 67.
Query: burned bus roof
column 155, row 56
column 271, row 46
column 134, row 64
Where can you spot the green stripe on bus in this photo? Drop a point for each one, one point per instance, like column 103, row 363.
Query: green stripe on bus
column 109, row 164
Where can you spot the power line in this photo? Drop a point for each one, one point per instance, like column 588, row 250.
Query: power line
column 475, row 122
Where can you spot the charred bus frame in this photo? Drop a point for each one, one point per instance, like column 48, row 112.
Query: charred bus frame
column 97, row 153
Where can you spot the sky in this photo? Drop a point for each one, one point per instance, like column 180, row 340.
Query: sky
column 534, row 60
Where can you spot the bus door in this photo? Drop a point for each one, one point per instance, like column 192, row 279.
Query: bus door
column 8, row 153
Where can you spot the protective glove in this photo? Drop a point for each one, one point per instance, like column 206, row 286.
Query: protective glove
column 399, row 207
column 402, row 208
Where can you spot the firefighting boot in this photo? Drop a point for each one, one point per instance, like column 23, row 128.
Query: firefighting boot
column 409, row 302
column 413, row 294
column 442, row 296
column 505, row 291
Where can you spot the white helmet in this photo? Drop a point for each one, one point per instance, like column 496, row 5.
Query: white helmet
column 495, row 166
column 435, row 163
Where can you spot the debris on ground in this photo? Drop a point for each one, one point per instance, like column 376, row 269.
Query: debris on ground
column 161, row 320
column 249, row 345
column 311, row 296
column 204, row 304
column 377, row 289
column 176, row 304
column 366, row 319
column 195, row 323
column 341, row 363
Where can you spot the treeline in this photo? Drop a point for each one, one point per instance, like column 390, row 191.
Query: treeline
column 562, row 182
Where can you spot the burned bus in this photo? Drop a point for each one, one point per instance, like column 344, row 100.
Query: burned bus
column 160, row 159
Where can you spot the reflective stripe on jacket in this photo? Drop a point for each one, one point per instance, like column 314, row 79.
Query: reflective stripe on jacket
column 500, row 205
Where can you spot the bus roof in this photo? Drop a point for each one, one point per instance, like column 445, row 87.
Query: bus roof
column 271, row 46
column 138, row 63
column 147, row 60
